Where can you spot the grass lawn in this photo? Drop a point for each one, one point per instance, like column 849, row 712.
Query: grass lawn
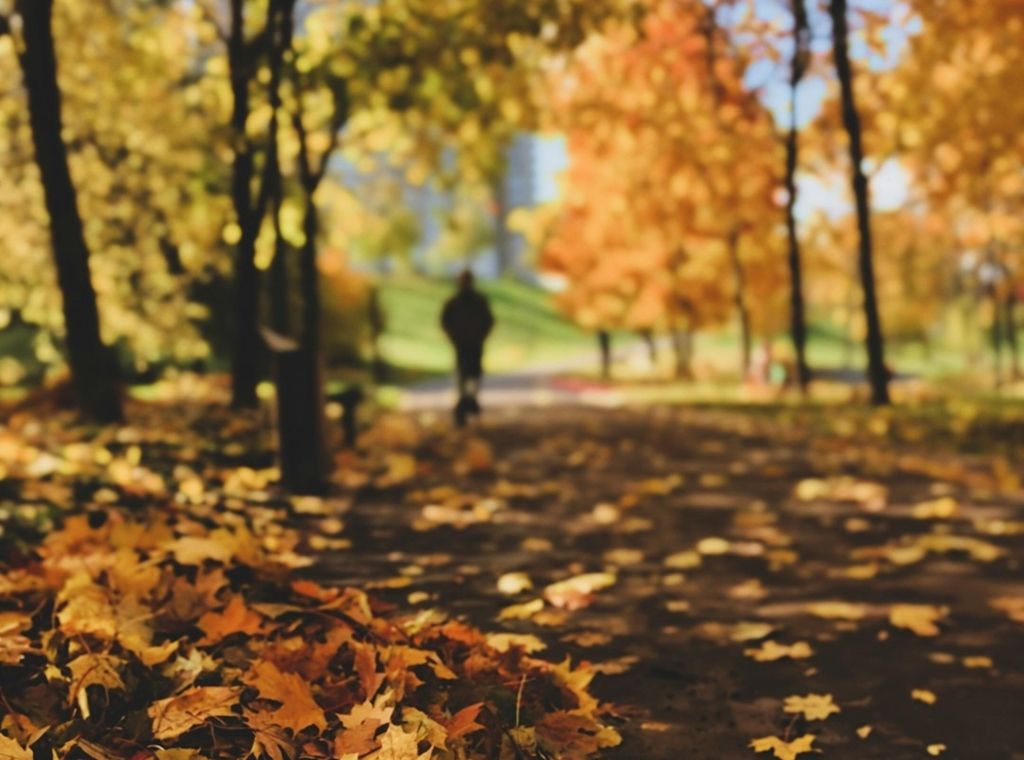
column 528, row 330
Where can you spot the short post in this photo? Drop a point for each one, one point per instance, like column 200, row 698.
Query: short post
column 302, row 449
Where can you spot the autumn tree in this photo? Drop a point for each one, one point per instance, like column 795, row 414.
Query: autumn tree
column 671, row 211
column 93, row 370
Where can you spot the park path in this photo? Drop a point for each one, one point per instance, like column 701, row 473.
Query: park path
column 756, row 556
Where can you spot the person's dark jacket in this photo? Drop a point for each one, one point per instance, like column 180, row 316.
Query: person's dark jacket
column 467, row 319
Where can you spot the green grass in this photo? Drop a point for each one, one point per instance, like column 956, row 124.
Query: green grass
column 528, row 329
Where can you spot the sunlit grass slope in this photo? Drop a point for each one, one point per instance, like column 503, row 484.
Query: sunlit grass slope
column 529, row 330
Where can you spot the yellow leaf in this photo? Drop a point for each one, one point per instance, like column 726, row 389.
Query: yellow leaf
column 11, row 750
column 923, row 695
column 576, row 592
column 511, row 584
column 813, row 706
column 783, row 750
column 919, row 618
column 93, row 670
column 837, row 610
column 770, row 651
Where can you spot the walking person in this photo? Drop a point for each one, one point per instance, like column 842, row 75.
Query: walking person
column 467, row 321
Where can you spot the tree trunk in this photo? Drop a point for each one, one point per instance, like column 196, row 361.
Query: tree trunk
column 93, row 370
column 740, row 299
column 652, row 345
column 1011, row 334
column 604, row 343
column 798, row 324
column 280, row 28
column 682, row 345
column 997, row 335
column 878, row 373
column 502, row 234
column 245, row 360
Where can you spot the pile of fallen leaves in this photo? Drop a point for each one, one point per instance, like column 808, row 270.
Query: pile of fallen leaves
column 155, row 606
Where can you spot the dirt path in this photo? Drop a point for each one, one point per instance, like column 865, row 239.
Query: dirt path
column 728, row 533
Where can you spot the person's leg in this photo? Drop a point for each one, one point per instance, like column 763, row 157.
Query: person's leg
column 461, row 386
column 474, row 371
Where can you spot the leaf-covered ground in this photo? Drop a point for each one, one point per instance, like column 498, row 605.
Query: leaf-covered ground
column 839, row 581
column 710, row 583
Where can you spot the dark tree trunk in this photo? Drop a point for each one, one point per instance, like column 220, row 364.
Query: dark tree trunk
column 878, row 373
column 93, row 370
column 652, row 345
column 502, row 234
column 309, row 277
column 245, row 360
column 375, row 316
column 997, row 335
column 682, row 344
column 740, row 299
column 604, row 343
column 280, row 30
column 798, row 324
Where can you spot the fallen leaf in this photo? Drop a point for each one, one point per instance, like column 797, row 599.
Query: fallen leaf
column 236, row 618
column 11, row 750
column 577, row 592
column 175, row 715
column 784, row 750
column 923, row 695
column 464, row 722
column 919, row 618
column 812, row 707
column 511, row 584
column 298, row 708
column 772, row 650
column 93, row 670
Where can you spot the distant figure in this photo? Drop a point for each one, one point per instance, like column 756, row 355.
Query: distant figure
column 467, row 321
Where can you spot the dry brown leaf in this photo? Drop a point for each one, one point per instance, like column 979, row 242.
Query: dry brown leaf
column 236, row 618
column 298, row 708
column 11, row 750
column 175, row 715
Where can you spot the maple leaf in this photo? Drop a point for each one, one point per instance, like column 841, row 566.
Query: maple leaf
column 195, row 550
column 11, row 750
column 521, row 611
column 784, row 750
column 770, row 651
column 464, row 721
column 268, row 738
column 573, row 736
column 813, row 706
column 919, row 618
column 298, row 708
column 397, row 744
column 923, row 695
column 93, row 670
column 236, row 618
column 578, row 592
column 358, row 739
column 13, row 645
column 175, row 715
